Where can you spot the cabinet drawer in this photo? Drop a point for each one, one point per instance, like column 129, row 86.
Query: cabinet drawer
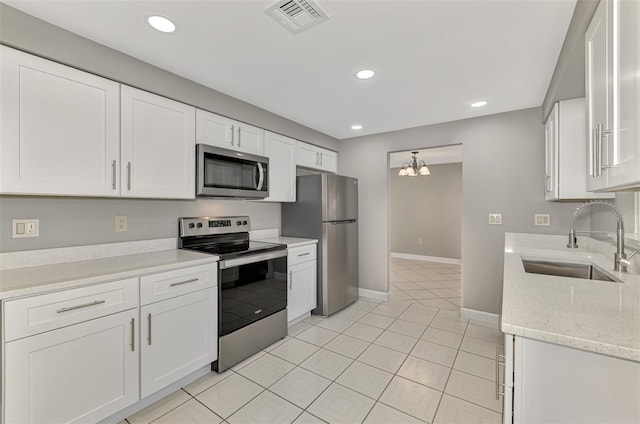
column 165, row 285
column 37, row 314
column 298, row 255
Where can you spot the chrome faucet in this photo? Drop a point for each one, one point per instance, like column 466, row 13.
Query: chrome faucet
column 620, row 260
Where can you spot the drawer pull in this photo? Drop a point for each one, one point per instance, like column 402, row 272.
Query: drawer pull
column 84, row 305
column 184, row 282
column 304, row 254
column 133, row 334
column 149, row 336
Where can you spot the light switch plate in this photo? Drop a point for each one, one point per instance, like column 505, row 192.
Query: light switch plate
column 495, row 219
column 22, row 228
column 542, row 219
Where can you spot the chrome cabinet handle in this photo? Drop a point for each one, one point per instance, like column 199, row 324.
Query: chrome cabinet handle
column 594, row 163
column 290, row 280
column 183, row 282
column 498, row 364
column 133, row 334
column 128, row 175
column 149, row 329
column 239, row 135
column 84, row 305
column 113, row 176
column 304, row 254
column 233, row 134
column 599, row 149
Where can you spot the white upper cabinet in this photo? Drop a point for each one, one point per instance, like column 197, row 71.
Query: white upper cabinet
column 281, row 152
column 59, row 129
column 314, row 157
column 612, row 44
column 158, row 146
column 220, row 131
column 566, row 153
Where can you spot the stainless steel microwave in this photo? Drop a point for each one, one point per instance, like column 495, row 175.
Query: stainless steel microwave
column 230, row 174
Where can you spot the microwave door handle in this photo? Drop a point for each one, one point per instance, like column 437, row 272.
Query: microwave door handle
column 260, row 176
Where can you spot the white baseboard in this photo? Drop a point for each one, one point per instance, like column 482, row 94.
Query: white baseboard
column 426, row 258
column 479, row 315
column 373, row 294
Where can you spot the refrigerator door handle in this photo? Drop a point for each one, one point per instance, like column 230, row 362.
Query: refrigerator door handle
column 344, row 221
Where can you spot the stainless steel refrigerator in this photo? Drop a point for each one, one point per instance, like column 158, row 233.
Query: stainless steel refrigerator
column 327, row 209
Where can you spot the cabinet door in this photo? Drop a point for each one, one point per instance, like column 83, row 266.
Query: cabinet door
column 179, row 336
column 328, row 160
column 215, row 130
column 59, row 129
column 250, row 139
column 281, row 152
column 307, row 155
column 599, row 93
column 551, row 155
column 77, row 374
column 302, row 293
column 158, row 146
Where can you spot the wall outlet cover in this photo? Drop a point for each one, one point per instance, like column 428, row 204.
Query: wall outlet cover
column 495, row 219
column 121, row 224
column 23, row 228
column 542, row 219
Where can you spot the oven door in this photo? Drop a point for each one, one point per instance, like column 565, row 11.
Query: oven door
column 227, row 173
column 251, row 288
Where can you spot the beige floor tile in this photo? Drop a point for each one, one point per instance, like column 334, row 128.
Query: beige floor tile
column 399, row 295
column 229, row 395
column 421, row 294
column 365, row 379
column 455, row 300
column 297, row 328
column 317, row 336
column 445, row 338
column 412, row 398
column 485, row 333
column 300, row 387
column 448, row 325
column 457, row 411
column 276, row 344
column 407, row 328
column 390, row 310
column 366, row 305
column 439, row 303
column 266, row 408
column 307, row 418
column 452, row 315
column 473, row 389
column 425, row 372
column 339, row 404
column 158, row 409
column 435, row 353
column 383, row 358
column 327, row 364
column 493, row 325
column 190, row 412
column 407, row 286
column 266, row 370
column 335, row 324
column 294, row 351
column 313, row 319
column 479, row 347
column 376, row 320
column 446, row 292
column 364, row 332
column 351, row 313
column 396, row 341
column 476, row 365
column 437, row 284
column 206, row 381
column 247, row 361
column 417, row 316
column 347, row 346
column 383, row 414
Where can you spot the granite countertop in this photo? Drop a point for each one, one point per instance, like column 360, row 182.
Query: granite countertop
column 291, row 242
column 592, row 315
column 40, row 279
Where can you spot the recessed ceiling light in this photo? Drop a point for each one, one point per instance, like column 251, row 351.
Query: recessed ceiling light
column 479, row 104
column 161, row 23
column 356, row 127
column 366, row 74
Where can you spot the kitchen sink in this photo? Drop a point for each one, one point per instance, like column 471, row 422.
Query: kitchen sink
column 566, row 269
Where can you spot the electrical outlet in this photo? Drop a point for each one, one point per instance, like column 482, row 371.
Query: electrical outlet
column 121, row 223
column 542, row 219
column 22, row 228
column 420, row 241
column 495, row 219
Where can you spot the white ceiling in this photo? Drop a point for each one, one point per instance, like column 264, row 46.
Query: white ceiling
column 433, row 58
column 431, row 156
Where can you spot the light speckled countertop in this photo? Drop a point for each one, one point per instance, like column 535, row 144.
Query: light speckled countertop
column 596, row 316
column 291, row 242
column 40, row 279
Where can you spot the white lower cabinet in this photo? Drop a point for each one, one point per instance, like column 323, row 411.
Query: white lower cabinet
column 302, row 278
column 76, row 374
column 179, row 336
column 553, row 383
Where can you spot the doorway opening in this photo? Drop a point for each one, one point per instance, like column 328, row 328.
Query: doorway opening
column 424, row 230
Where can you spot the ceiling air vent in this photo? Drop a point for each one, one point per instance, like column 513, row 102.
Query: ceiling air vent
column 297, row 15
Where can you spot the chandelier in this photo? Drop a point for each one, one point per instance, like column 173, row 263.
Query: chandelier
column 413, row 168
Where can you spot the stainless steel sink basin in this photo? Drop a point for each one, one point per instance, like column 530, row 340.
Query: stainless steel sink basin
column 566, row 269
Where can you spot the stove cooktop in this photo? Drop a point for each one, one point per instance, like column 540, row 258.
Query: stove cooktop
column 230, row 251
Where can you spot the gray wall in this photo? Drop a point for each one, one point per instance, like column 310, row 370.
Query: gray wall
column 427, row 208
column 25, row 32
column 82, row 221
column 503, row 169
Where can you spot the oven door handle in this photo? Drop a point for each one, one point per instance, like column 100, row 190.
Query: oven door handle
column 249, row 259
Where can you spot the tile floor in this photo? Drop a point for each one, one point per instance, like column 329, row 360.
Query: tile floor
column 412, row 359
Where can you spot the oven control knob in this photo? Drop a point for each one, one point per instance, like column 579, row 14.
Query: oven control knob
column 199, row 225
column 192, row 225
column 244, row 222
column 239, row 223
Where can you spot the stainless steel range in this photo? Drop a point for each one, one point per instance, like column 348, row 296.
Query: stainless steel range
column 252, row 281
